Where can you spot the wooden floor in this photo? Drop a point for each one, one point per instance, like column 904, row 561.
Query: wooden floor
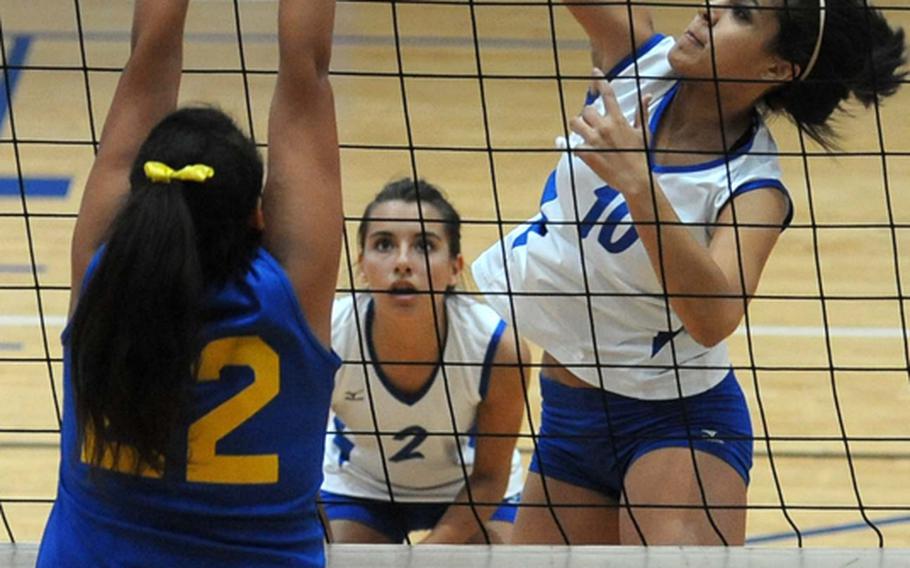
column 844, row 243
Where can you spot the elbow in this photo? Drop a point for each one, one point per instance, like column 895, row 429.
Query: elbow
column 709, row 332
column 709, row 323
column 320, row 58
column 310, row 71
column 707, row 339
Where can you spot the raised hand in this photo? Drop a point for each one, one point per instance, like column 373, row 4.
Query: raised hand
column 614, row 149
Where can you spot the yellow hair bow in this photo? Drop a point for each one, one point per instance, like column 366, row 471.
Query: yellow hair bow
column 163, row 173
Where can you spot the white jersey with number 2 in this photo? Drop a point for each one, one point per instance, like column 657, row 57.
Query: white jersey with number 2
column 420, row 456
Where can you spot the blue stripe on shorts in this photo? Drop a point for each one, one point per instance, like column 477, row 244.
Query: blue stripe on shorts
column 396, row 520
column 579, row 445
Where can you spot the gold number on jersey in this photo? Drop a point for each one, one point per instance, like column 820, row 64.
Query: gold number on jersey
column 204, row 464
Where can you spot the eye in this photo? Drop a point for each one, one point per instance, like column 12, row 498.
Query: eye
column 742, row 13
column 382, row 244
column 424, row 245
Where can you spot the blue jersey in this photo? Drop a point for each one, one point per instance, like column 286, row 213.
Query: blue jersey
column 254, row 440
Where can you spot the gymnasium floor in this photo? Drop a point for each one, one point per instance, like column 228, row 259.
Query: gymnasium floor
column 848, row 241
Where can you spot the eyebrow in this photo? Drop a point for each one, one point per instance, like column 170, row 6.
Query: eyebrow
column 428, row 234
column 424, row 234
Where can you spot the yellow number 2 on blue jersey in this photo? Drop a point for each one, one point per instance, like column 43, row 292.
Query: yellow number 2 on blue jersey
column 204, row 464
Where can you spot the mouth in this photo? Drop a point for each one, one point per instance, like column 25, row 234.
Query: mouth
column 402, row 289
column 694, row 39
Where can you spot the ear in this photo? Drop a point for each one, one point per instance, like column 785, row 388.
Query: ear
column 781, row 70
column 457, row 269
column 358, row 279
column 358, row 268
column 257, row 219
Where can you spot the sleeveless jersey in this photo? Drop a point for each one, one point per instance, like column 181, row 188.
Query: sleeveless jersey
column 633, row 349
column 254, row 438
column 418, row 443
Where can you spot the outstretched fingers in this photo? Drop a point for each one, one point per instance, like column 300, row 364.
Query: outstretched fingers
column 612, row 146
column 588, row 125
column 611, row 105
column 643, row 116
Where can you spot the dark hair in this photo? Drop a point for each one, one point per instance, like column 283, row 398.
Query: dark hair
column 136, row 328
column 409, row 191
column 860, row 56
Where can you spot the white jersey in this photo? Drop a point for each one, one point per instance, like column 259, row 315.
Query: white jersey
column 418, row 442
column 633, row 344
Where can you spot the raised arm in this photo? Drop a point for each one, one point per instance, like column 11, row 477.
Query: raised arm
column 498, row 423
column 302, row 197
column 707, row 285
column 610, row 28
column 146, row 93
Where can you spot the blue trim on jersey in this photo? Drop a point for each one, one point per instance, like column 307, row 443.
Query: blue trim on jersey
column 591, row 96
column 345, row 446
column 549, row 189
column 661, row 339
column 763, row 183
column 649, row 44
column 409, row 398
column 655, row 123
column 488, row 358
column 539, row 225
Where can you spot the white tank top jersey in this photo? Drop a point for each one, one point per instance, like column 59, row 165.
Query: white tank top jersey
column 634, row 341
column 420, row 450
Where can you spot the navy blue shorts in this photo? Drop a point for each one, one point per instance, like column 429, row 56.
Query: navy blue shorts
column 579, row 446
column 395, row 520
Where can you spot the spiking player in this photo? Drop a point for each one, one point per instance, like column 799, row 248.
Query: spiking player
column 641, row 263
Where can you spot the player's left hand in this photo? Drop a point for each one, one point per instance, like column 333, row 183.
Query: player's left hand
column 613, row 148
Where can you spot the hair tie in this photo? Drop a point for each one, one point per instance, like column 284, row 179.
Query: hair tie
column 818, row 41
column 159, row 172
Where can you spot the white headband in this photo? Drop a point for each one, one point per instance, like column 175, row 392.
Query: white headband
column 818, row 42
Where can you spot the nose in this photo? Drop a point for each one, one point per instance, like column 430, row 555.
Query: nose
column 403, row 260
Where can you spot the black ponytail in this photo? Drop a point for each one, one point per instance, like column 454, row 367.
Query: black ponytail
column 861, row 56
column 136, row 331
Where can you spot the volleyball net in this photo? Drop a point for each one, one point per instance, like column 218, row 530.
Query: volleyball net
column 469, row 96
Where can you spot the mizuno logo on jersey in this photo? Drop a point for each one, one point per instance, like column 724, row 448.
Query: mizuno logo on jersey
column 353, row 395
